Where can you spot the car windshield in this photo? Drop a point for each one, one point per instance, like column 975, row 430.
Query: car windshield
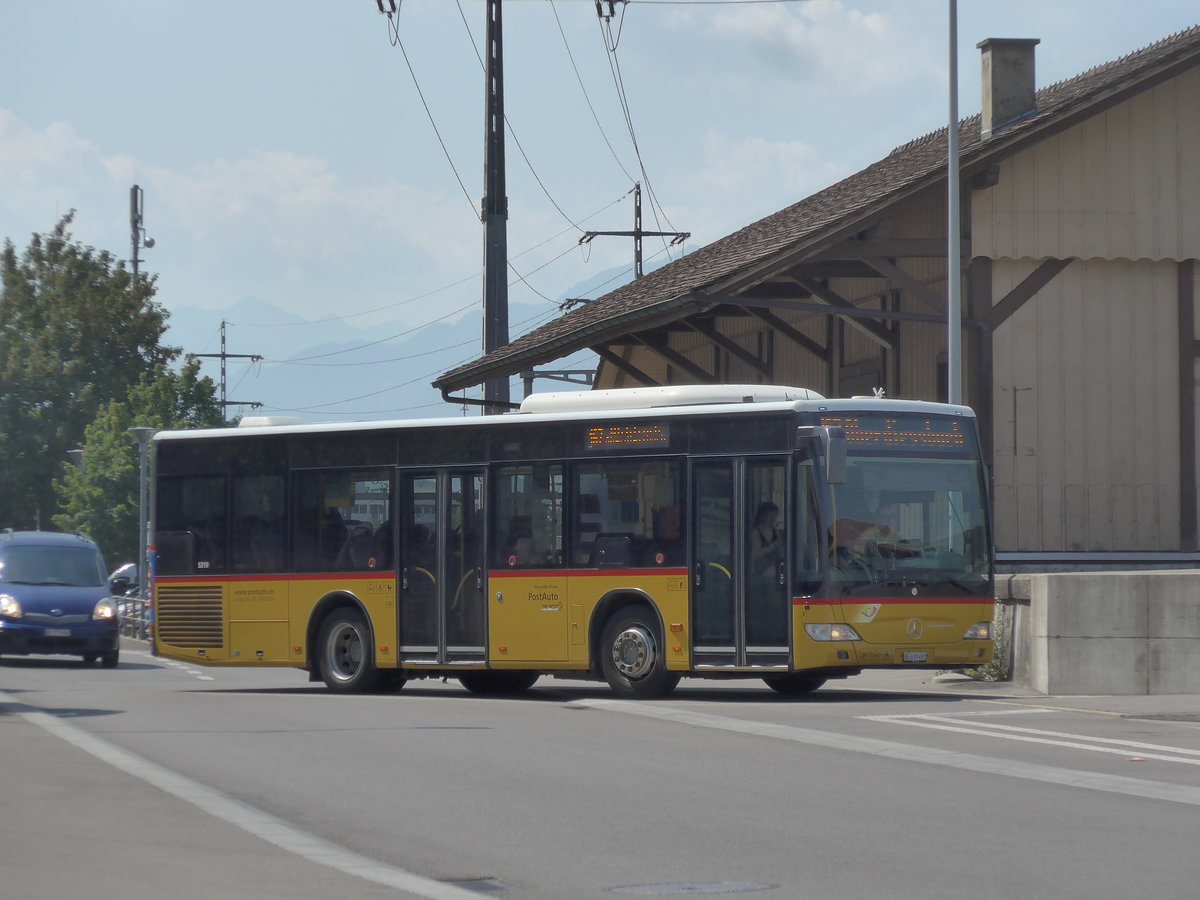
column 73, row 566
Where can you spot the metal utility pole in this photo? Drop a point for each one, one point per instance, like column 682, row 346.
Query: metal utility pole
column 495, row 211
column 954, row 244
column 138, row 237
column 677, row 237
column 253, row 357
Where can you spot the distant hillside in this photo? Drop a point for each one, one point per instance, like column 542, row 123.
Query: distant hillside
column 378, row 372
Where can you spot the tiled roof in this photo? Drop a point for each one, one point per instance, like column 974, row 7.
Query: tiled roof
column 906, row 169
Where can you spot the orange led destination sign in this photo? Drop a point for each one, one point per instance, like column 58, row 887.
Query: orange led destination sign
column 930, row 432
column 627, row 435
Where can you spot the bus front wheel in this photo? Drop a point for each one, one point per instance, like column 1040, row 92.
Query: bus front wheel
column 631, row 656
column 344, row 655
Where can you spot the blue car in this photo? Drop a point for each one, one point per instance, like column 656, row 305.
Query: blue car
column 54, row 597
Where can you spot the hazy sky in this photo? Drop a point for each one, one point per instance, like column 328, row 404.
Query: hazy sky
column 286, row 153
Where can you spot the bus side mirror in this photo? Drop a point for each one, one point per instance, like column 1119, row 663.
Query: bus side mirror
column 833, row 444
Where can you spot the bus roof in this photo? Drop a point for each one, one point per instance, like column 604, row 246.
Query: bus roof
column 619, row 403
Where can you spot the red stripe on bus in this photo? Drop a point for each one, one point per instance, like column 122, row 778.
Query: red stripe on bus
column 293, row 576
column 889, row 601
column 374, row 576
column 580, row 573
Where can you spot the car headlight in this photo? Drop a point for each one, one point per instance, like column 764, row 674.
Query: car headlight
column 819, row 632
column 980, row 631
column 105, row 609
column 9, row 606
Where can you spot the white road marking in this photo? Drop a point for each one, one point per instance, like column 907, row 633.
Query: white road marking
column 1115, row 784
column 261, row 824
column 962, row 725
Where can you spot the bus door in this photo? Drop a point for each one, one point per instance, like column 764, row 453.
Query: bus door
column 740, row 606
column 441, row 566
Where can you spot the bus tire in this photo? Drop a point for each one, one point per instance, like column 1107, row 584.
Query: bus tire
column 391, row 680
column 631, row 657
column 344, row 656
column 794, row 684
column 489, row 683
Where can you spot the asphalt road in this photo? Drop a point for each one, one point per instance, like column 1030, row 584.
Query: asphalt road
column 158, row 779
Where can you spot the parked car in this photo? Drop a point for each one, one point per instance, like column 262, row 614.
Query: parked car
column 132, row 608
column 55, row 598
column 123, row 580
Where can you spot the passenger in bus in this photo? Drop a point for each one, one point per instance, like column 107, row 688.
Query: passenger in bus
column 767, row 546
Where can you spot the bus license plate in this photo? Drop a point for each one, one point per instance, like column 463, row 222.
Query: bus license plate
column 914, row 656
column 58, row 632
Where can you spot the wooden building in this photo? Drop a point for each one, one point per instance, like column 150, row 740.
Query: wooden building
column 1080, row 239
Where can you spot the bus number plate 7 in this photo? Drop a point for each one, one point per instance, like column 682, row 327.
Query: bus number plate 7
column 914, row 656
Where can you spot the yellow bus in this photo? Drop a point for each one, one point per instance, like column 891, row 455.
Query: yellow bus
column 633, row 536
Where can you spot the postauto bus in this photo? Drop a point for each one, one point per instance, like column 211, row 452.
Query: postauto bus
column 634, row 536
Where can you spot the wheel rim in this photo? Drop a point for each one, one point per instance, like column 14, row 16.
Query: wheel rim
column 633, row 652
column 344, row 652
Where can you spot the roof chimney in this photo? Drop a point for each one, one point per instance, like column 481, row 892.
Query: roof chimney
column 1008, row 84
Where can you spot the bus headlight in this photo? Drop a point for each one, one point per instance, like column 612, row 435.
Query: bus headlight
column 819, row 632
column 980, row 631
column 105, row 609
column 9, row 606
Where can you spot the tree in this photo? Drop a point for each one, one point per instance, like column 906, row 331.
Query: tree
column 100, row 497
column 76, row 331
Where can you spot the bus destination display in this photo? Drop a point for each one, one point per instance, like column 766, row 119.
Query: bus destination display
column 934, row 433
column 629, row 435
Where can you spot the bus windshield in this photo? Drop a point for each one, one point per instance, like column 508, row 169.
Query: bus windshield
column 909, row 518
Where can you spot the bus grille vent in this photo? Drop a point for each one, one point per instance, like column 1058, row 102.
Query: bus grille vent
column 190, row 616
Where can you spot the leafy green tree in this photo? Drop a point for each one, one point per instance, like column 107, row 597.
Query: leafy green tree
column 76, row 331
column 100, row 496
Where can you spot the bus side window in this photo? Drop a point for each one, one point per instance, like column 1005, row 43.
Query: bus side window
column 627, row 510
column 808, row 562
column 528, row 516
column 191, row 522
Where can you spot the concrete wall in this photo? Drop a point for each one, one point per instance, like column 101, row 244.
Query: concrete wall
column 1104, row 632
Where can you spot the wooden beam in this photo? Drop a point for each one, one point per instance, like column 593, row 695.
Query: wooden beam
column 625, row 366
column 732, row 347
column 890, row 247
column 792, row 334
column 922, row 293
column 747, row 303
column 1188, row 355
column 1018, row 296
column 875, row 332
column 676, row 359
column 979, row 354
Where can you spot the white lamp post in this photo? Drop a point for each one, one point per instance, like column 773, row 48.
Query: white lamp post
column 143, row 435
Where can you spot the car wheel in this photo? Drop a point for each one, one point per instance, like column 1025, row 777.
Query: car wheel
column 110, row 660
column 344, row 655
column 89, row 658
column 631, row 656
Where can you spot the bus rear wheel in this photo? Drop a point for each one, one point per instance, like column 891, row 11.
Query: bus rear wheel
column 794, row 684
column 344, row 656
column 631, row 657
column 497, row 682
